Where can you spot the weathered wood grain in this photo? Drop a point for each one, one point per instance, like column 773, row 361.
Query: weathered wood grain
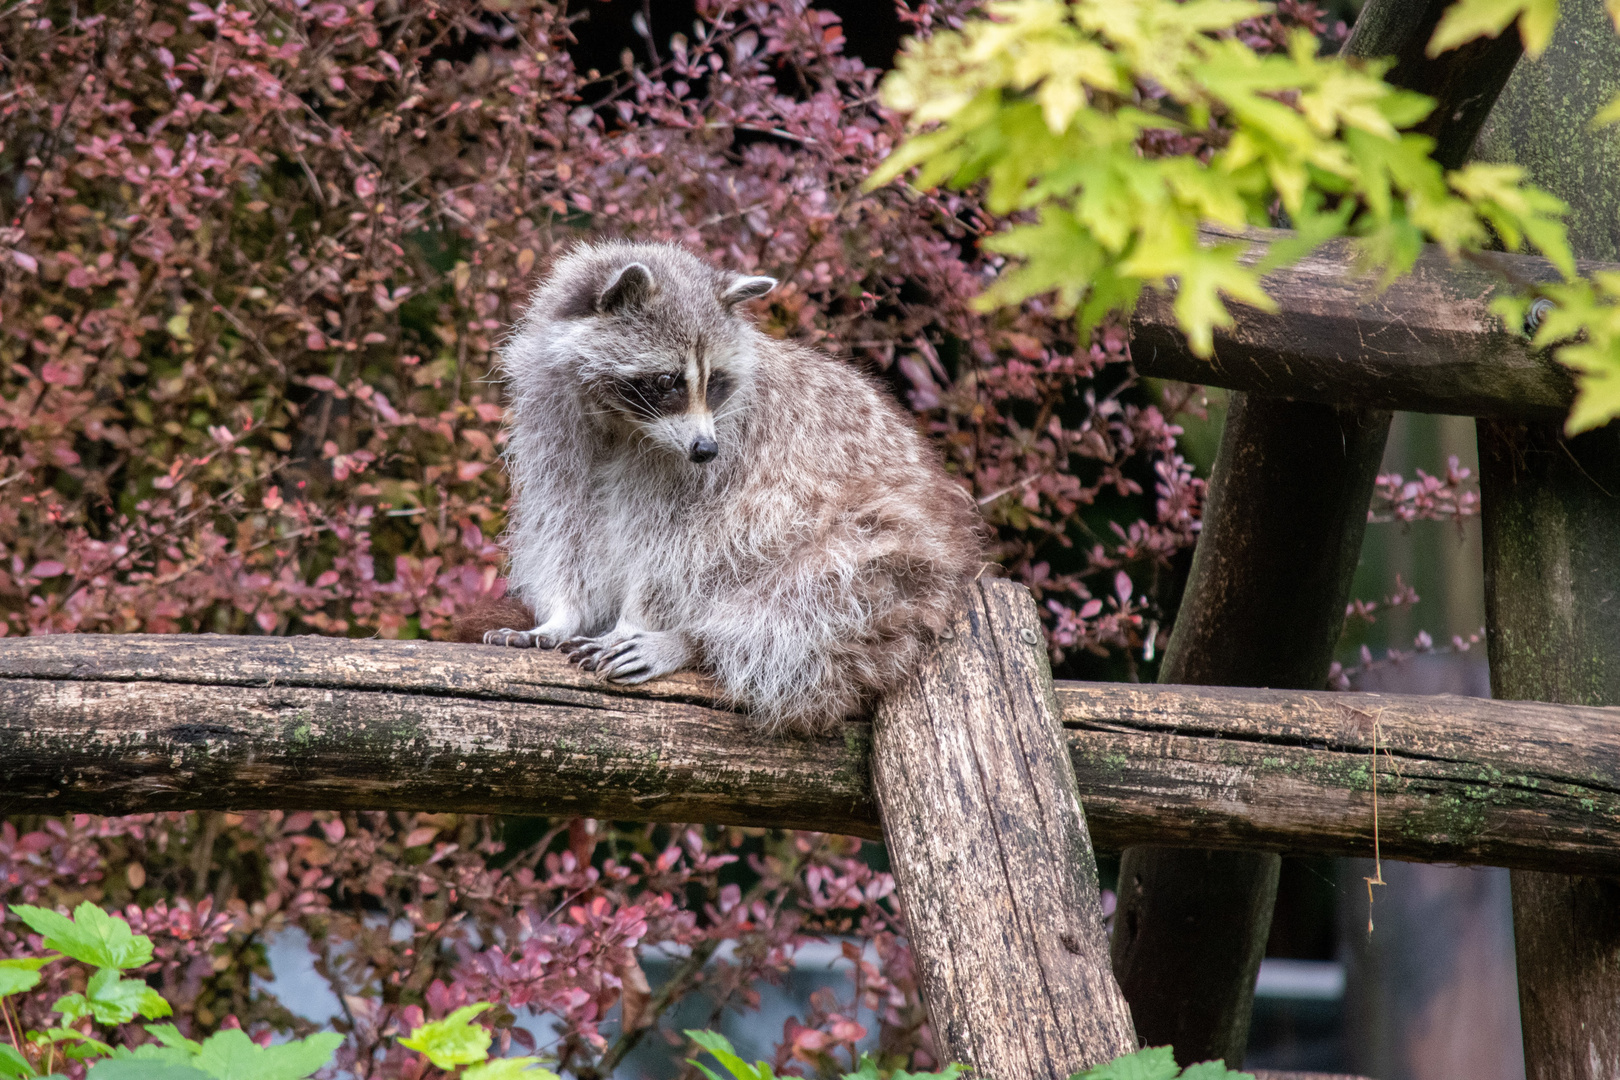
column 124, row 723
column 1225, row 767
column 1550, row 520
column 1428, row 343
column 991, row 858
column 116, row 724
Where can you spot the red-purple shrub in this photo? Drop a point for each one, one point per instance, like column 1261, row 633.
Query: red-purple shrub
column 411, row 916
column 257, row 257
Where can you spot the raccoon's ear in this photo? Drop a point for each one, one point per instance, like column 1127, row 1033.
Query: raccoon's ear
column 746, row 288
column 630, row 287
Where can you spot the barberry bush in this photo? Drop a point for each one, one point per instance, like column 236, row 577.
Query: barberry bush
column 255, row 259
column 258, row 256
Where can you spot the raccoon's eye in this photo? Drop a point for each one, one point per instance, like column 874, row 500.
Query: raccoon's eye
column 666, row 383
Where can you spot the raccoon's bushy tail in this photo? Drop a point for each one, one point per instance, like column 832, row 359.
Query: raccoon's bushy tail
column 501, row 613
column 817, row 639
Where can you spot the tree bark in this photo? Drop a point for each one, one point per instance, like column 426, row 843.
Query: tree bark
column 990, row 853
column 1551, row 517
column 1552, row 563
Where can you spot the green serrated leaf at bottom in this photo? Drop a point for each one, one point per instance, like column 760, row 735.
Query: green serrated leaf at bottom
column 1152, row 1063
column 170, row 1036
column 231, row 1055
column 1213, row 1070
column 142, row 1069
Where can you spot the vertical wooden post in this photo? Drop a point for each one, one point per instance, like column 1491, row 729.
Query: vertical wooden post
column 1551, row 517
column 1283, row 523
column 1265, row 604
column 990, row 853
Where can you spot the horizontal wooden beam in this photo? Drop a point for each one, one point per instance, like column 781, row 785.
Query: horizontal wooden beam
column 1428, row 343
column 120, row 724
column 115, row 724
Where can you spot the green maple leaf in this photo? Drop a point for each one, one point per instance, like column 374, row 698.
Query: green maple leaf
column 512, row 1068
column 91, row 936
column 1213, row 1070
column 453, row 1041
column 1469, row 19
column 231, row 1055
column 170, row 1038
column 1597, row 398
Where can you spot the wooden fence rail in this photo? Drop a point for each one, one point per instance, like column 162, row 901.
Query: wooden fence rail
column 1428, row 343
column 120, row 724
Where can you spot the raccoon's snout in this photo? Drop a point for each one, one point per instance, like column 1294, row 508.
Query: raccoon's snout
column 703, row 449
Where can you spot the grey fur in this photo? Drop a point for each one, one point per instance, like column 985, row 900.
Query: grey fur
column 804, row 566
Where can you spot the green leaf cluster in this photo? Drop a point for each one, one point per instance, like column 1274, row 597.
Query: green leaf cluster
column 723, row 1052
column 224, row 1055
column 107, row 944
column 1159, row 1063
column 1154, row 1063
column 456, row 1041
column 1046, row 102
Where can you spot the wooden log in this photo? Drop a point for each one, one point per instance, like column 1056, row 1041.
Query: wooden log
column 1264, row 604
column 1550, row 510
column 112, row 724
column 120, row 724
column 990, row 853
column 1464, row 81
column 1428, row 343
column 1224, row 767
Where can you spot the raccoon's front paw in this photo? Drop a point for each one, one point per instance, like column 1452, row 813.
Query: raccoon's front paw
column 631, row 657
column 520, row 639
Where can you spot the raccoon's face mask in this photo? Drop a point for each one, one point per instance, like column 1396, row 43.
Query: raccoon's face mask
column 677, row 390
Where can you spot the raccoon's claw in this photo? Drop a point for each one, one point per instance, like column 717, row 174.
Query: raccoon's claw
column 580, row 649
column 512, row 639
column 520, row 639
column 634, row 658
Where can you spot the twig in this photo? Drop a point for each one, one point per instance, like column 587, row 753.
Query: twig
column 1378, row 863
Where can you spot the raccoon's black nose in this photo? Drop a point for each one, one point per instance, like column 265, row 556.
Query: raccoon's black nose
column 702, row 449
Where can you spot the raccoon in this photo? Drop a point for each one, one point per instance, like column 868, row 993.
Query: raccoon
column 688, row 492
